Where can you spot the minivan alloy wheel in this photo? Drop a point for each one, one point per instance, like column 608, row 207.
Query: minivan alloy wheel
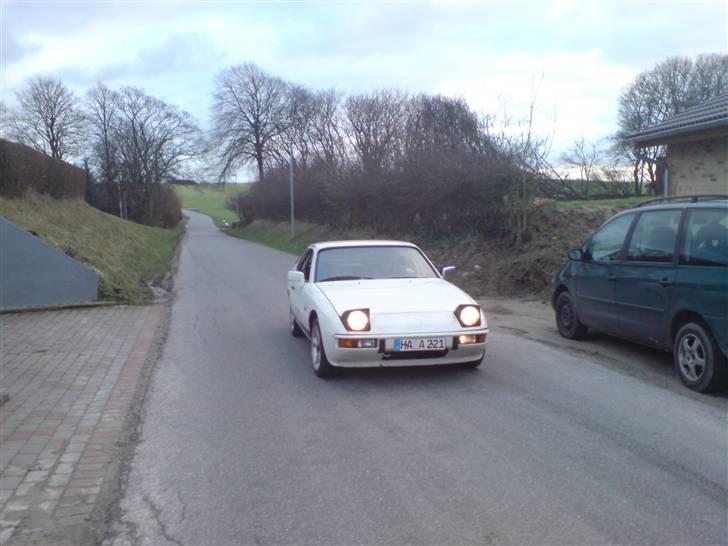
column 691, row 356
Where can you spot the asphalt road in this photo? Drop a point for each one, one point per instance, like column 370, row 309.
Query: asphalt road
column 242, row 444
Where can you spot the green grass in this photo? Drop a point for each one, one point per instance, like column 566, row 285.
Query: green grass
column 124, row 254
column 278, row 235
column 211, row 200
column 625, row 201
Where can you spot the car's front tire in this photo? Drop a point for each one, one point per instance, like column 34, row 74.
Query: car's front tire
column 698, row 360
column 294, row 327
column 567, row 320
column 321, row 365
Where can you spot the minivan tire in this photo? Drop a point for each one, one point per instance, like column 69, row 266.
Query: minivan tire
column 567, row 319
column 698, row 360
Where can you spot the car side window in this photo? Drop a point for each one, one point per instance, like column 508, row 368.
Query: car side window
column 606, row 244
column 654, row 236
column 305, row 264
column 706, row 237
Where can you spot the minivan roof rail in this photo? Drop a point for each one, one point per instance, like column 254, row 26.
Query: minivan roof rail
column 688, row 198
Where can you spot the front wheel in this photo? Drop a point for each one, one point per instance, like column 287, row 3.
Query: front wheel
column 567, row 321
column 321, row 365
column 698, row 360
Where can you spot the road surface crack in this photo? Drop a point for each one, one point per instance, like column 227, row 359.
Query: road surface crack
column 183, row 512
column 157, row 515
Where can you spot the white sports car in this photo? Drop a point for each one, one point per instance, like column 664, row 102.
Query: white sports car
column 381, row 303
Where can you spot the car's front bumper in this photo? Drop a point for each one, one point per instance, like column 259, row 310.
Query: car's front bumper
column 380, row 356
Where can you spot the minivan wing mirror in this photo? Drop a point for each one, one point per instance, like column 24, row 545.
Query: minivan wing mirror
column 447, row 271
column 295, row 277
column 576, row 255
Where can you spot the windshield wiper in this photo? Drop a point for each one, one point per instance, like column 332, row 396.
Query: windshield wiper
column 344, row 278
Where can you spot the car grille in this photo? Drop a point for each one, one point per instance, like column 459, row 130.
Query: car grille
column 414, row 355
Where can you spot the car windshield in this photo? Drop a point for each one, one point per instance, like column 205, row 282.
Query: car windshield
column 375, row 262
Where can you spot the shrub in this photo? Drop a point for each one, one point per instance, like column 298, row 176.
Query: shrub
column 425, row 196
column 22, row 168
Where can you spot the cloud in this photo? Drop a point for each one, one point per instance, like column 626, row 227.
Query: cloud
column 489, row 53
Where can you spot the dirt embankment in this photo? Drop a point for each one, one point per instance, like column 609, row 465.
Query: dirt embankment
column 491, row 266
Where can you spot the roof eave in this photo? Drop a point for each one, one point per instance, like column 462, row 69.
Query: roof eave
column 654, row 138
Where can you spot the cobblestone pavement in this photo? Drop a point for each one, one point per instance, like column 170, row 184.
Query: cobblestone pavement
column 70, row 376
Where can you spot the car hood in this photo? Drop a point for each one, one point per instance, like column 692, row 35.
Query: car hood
column 394, row 295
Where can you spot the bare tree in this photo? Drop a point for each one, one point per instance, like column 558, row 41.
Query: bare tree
column 527, row 166
column 4, row 119
column 249, row 113
column 375, row 127
column 326, row 128
column 48, row 118
column 709, row 77
column 294, row 136
column 443, row 124
column 586, row 157
column 154, row 141
column 102, row 104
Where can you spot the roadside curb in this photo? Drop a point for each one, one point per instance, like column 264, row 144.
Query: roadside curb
column 62, row 307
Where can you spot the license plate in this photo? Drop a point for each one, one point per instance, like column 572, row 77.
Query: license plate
column 420, row 344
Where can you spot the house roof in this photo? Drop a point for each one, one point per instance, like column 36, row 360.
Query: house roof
column 710, row 114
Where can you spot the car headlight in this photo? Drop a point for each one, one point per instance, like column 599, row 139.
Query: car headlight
column 356, row 320
column 468, row 315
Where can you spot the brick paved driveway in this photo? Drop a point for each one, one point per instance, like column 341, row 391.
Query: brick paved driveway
column 70, row 376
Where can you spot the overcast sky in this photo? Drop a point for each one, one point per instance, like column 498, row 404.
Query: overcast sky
column 488, row 52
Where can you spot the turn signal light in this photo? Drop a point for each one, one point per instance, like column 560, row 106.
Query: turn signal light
column 469, row 339
column 358, row 343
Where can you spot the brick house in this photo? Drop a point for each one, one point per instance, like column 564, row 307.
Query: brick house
column 697, row 148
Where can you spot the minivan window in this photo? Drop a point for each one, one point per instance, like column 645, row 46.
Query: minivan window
column 606, row 243
column 654, row 236
column 706, row 237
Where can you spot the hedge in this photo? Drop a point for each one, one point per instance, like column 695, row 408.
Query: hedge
column 23, row 168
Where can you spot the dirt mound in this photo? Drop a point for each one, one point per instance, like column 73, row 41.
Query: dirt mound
column 488, row 266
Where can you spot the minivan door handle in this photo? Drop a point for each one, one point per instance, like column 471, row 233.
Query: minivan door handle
column 611, row 277
column 665, row 282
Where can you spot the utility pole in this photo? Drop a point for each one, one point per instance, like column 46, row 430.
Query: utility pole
column 237, row 196
column 290, row 164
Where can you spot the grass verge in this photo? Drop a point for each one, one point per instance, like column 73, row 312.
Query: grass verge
column 125, row 255
column 278, row 235
column 211, row 200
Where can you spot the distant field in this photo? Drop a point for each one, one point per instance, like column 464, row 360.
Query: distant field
column 126, row 255
column 211, row 200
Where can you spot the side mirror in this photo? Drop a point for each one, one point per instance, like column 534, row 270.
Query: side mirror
column 296, row 277
column 576, row 255
column 447, row 271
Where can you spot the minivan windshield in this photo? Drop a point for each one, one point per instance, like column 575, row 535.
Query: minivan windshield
column 372, row 262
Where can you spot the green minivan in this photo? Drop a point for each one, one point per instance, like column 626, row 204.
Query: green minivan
column 656, row 274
